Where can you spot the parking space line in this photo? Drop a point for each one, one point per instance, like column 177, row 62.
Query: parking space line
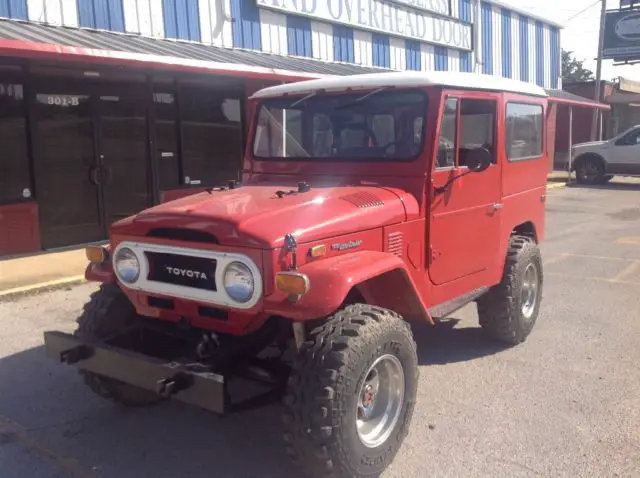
column 632, row 240
column 555, row 259
column 604, row 258
column 593, row 278
column 12, row 432
column 627, row 271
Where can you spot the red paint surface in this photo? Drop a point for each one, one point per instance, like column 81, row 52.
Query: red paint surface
column 19, row 228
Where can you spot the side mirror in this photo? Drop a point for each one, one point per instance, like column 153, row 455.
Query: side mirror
column 478, row 160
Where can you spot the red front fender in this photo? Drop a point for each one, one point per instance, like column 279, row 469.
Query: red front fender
column 381, row 278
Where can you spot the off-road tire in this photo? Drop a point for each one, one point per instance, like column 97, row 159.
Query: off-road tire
column 586, row 162
column 500, row 309
column 320, row 403
column 107, row 313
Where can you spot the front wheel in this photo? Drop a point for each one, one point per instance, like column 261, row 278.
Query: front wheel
column 510, row 309
column 351, row 394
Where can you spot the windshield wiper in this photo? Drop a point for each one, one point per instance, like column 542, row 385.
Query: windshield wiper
column 362, row 98
column 310, row 95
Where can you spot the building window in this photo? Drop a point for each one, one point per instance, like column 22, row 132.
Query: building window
column 211, row 130
column 381, row 50
column 412, row 51
column 524, row 131
column 343, row 44
column 181, row 19
column 101, row 14
column 299, row 36
column 246, row 25
column 441, row 58
column 15, row 179
column 487, row 39
column 167, row 153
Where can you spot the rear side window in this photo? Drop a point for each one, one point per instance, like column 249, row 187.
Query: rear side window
column 524, row 131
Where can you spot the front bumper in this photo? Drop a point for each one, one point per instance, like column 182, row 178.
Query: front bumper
column 169, row 379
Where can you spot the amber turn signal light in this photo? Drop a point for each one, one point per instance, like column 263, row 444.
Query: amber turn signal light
column 318, row 251
column 292, row 283
column 96, row 254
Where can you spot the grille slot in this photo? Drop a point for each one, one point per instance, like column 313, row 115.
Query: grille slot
column 160, row 303
column 188, row 271
column 395, row 243
column 363, row 199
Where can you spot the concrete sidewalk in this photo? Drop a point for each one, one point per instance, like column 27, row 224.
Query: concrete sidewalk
column 41, row 271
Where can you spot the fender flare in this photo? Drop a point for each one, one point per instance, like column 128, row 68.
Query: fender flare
column 381, row 278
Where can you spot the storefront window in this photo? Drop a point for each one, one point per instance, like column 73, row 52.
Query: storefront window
column 166, row 125
column 211, row 135
column 15, row 182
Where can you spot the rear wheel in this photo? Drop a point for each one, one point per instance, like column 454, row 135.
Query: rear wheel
column 590, row 170
column 109, row 313
column 510, row 309
column 351, row 394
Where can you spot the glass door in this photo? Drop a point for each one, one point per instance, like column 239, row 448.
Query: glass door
column 66, row 174
column 123, row 150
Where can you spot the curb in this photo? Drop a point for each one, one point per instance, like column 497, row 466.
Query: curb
column 16, row 292
column 555, row 185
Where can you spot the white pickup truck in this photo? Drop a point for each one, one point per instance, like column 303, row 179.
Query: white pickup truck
column 599, row 161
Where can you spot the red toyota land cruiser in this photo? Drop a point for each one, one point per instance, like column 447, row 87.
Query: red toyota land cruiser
column 366, row 203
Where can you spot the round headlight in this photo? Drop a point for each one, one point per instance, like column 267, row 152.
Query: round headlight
column 238, row 282
column 127, row 265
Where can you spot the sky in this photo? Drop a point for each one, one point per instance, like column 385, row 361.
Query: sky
column 580, row 34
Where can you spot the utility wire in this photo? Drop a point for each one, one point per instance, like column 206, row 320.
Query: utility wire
column 577, row 14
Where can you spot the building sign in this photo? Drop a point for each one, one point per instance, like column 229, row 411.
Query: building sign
column 403, row 18
column 622, row 35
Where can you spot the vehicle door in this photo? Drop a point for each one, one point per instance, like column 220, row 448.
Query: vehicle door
column 465, row 207
column 625, row 154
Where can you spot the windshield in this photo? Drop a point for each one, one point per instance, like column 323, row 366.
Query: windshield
column 375, row 125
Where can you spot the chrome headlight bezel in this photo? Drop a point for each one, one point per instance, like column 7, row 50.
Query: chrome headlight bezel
column 126, row 254
column 239, row 268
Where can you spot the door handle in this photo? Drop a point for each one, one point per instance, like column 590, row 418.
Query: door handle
column 497, row 205
column 93, row 175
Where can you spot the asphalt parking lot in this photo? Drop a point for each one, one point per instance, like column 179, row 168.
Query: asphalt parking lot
column 565, row 403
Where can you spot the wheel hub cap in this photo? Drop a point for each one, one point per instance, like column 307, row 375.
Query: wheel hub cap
column 380, row 401
column 529, row 294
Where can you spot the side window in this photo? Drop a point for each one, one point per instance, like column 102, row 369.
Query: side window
column 15, row 181
column 477, row 127
column 524, row 131
column 631, row 139
column 447, row 140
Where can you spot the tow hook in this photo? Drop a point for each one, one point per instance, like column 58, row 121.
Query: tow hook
column 167, row 387
column 76, row 354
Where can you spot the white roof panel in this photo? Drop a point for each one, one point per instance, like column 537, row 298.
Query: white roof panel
column 404, row 79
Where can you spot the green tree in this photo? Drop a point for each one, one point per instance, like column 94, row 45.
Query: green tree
column 573, row 69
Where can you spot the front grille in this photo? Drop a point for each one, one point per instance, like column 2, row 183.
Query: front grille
column 188, row 271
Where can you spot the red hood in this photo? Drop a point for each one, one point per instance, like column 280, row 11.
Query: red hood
column 254, row 215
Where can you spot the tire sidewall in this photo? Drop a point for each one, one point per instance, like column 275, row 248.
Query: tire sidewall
column 371, row 461
column 581, row 175
column 529, row 255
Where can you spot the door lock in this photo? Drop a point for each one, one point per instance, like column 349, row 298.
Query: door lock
column 497, row 205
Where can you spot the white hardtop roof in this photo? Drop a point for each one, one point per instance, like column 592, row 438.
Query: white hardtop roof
column 403, row 79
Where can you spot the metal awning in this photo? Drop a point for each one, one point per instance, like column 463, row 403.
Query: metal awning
column 34, row 40
column 566, row 98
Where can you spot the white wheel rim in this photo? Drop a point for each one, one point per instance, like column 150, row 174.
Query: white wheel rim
column 529, row 292
column 380, row 401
